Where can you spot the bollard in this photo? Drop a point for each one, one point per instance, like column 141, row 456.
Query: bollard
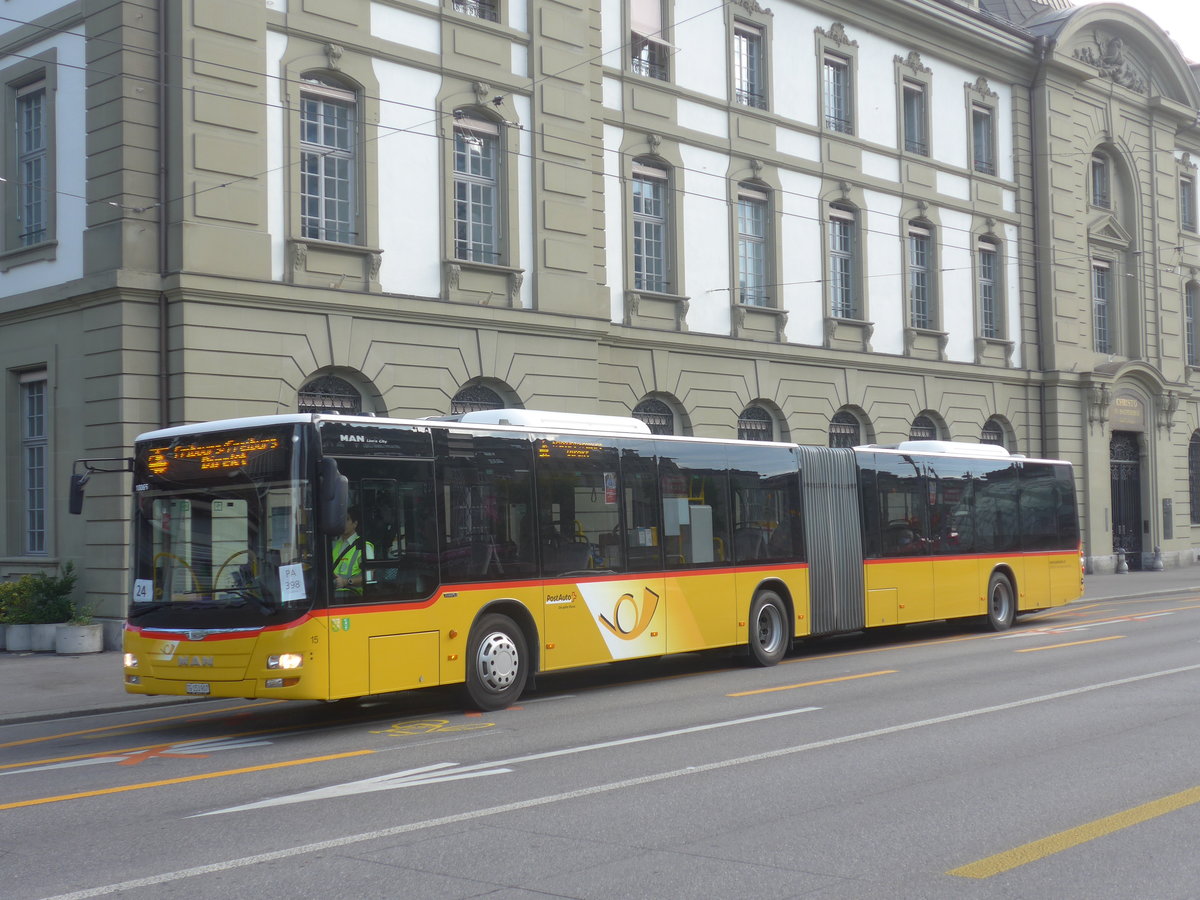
column 1156, row 565
column 1122, row 566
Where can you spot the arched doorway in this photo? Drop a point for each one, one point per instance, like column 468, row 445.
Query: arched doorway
column 1125, row 470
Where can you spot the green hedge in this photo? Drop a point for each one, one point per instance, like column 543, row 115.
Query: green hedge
column 38, row 599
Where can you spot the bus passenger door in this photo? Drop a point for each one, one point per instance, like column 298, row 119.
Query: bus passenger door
column 595, row 608
column 904, row 542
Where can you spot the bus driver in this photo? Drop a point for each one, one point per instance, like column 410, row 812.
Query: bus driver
column 348, row 552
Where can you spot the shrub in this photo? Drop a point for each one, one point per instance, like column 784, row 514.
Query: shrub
column 42, row 599
column 51, row 594
column 16, row 601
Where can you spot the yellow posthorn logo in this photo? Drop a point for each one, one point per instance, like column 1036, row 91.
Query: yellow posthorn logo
column 628, row 620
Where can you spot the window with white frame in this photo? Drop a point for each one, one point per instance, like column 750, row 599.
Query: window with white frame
column 749, row 66
column 34, row 460
column 915, row 117
column 921, row 281
column 1191, row 296
column 843, row 264
column 479, row 9
column 1187, row 203
column 328, row 155
column 477, row 215
column 651, row 228
column 28, row 92
column 648, row 49
column 752, row 216
column 838, row 93
column 1100, row 181
column 1101, row 305
column 32, row 149
column 983, row 139
column 987, row 280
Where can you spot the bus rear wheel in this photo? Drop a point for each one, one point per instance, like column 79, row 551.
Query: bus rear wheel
column 769, row 633
column 497, row 663
column 1001, row 603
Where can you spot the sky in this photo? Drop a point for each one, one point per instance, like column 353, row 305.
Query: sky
column 1179, row 18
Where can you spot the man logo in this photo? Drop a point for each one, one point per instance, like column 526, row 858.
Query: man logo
column 628, row 621
column 194, row 661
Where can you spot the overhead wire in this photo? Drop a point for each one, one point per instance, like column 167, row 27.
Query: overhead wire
column 1022, row 242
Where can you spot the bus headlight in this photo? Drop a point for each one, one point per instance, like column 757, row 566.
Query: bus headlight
column 285, row 661
column 131, row 660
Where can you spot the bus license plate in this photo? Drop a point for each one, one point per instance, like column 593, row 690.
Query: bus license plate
column 197, row 687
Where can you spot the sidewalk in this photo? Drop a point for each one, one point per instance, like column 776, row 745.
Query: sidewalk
column 36, row 686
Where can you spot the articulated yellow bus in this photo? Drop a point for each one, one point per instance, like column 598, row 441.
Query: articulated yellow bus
column 326, row 556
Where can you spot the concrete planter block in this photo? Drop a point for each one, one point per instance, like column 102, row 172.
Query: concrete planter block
column 19, row 637
column 43, row 637
column 74, row 639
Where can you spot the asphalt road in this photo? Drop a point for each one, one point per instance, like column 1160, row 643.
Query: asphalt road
column 1055, row 760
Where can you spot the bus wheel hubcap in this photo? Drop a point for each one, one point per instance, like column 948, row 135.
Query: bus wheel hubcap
column 498, row 661
column 770, row 628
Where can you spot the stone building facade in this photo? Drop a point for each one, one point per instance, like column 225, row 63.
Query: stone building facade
column 813, row 221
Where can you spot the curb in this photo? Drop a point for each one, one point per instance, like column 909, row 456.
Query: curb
column 51, row 715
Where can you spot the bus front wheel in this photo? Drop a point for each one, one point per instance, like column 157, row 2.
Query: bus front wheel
column 1001, row 603
column 497, row 663
column 769, row 633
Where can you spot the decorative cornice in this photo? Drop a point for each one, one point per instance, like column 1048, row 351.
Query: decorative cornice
column 1110, row 57
column 913, row 61
column 837, row 34
column 751, row 6
column 981, row 87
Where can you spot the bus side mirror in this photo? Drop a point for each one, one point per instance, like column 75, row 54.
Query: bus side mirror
column 75, row 499
column 333, row 497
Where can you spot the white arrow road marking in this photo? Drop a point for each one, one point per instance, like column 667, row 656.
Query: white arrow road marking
column 350, row 840
column 1067, row 629
column 450, row 772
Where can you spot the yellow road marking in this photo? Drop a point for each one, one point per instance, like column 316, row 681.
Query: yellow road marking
column 1073, row 837
column 788, row 687
column 168, row 781
column 1111, row 637
column 208, row 712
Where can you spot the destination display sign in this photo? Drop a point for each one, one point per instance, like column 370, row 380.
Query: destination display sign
column 261, row 454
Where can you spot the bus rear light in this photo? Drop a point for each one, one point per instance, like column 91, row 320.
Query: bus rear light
column 285, row 661
column 280, row 682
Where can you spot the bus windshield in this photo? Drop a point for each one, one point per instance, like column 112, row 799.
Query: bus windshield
column 222, row 539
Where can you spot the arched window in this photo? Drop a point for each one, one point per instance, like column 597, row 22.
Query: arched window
column 330, row 394
column 755, row 424
column 993, row 433
column 328, row 161
column 1194, row 476
column 844, row 430
column 923, row 429
column 474, row 398
column 657, row 415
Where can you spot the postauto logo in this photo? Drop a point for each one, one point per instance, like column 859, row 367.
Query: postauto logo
column 629, row 619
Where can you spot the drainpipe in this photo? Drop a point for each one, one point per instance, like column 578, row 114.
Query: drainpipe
column 1041, row 48
column 164, row 375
